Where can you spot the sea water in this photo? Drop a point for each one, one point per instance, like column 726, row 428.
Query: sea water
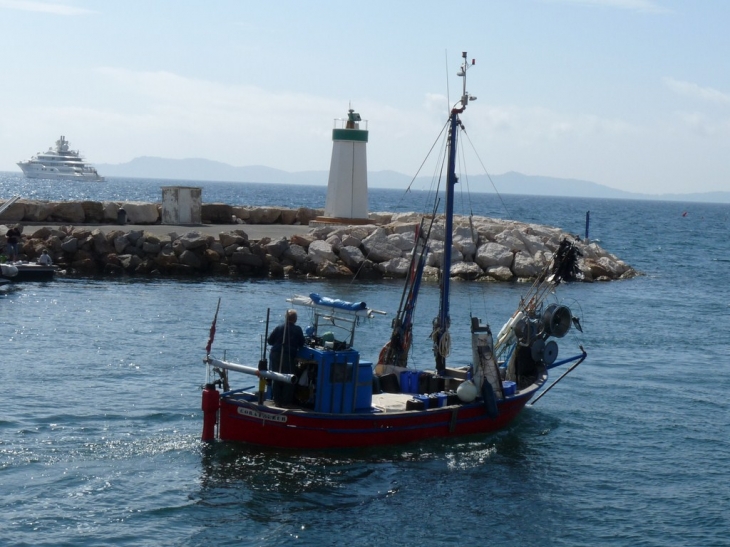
column 100, row 401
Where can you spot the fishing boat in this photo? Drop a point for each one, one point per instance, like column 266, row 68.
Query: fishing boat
column 344, row 400
column 59, row 162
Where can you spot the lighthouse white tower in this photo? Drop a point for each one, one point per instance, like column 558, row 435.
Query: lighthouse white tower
column 347, row 189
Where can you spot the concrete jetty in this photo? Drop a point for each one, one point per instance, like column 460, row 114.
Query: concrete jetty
column 278, row 242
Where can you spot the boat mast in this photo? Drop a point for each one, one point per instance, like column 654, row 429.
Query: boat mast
column 440, row 336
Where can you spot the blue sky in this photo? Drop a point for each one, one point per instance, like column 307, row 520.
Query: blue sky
column 633, row 94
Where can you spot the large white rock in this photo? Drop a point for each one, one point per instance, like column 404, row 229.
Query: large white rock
column 335, row 241
column 488, row 228
column 352, row 257
column 401, row 227
column 436, row 256
column 68, row 211
column 437, row 231
column 35, row 211
column 321, row 250
column 606, row 267
column 361, row 232
column 295, row 253
column 500, row 273
column 466, row 270
column 511, row 239
column 381, row 218
column 278, row 247
column 236, row 237
column 465, row 240
column 378, row 248
column 193, row 240
column 492, row 255
column 406, row 218
column 303, row 240
column 533, row 243
column 264, row 215
column 110, row 209
column 141, row 213
column 431, row 261
column 348, row 240
column 524, row 266
column 402, row 241
column 395, row 266
column 431, row 272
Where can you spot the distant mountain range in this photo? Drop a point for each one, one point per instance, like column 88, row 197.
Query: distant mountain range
column 197, row 169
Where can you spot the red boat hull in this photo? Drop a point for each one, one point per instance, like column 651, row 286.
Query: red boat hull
column 246, row 421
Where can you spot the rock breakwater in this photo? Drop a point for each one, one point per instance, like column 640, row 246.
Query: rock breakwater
column 136, row 212
column 484, row 248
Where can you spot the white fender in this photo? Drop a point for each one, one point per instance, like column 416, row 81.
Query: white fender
column 467, row 391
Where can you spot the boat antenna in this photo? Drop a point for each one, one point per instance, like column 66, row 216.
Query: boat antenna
column 465, row 97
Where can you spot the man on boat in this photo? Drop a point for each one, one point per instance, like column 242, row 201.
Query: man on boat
column 285, row 340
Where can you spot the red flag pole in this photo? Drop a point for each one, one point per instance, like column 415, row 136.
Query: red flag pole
column 212, row 329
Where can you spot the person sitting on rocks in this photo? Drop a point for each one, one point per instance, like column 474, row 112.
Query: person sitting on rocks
column 45, row 259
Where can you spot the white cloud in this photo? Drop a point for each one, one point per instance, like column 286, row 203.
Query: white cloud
column 704, row 126
column 530, row 126
column 175, row 116
column 201, row 106
column 43, row 7
column 689, row 89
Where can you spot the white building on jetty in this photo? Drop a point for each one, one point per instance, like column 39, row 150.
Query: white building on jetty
column 347, row 188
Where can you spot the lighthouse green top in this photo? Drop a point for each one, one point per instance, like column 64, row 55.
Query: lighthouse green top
column 351, row 131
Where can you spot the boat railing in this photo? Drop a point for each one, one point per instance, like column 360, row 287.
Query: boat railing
column 334, row 307
column 329, row 313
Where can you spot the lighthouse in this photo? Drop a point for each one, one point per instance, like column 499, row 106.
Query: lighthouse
column 347, row 188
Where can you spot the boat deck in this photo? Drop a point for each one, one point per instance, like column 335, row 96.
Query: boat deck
column 391, row 402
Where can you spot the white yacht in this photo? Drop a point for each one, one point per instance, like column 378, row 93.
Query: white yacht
column 59, row 163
